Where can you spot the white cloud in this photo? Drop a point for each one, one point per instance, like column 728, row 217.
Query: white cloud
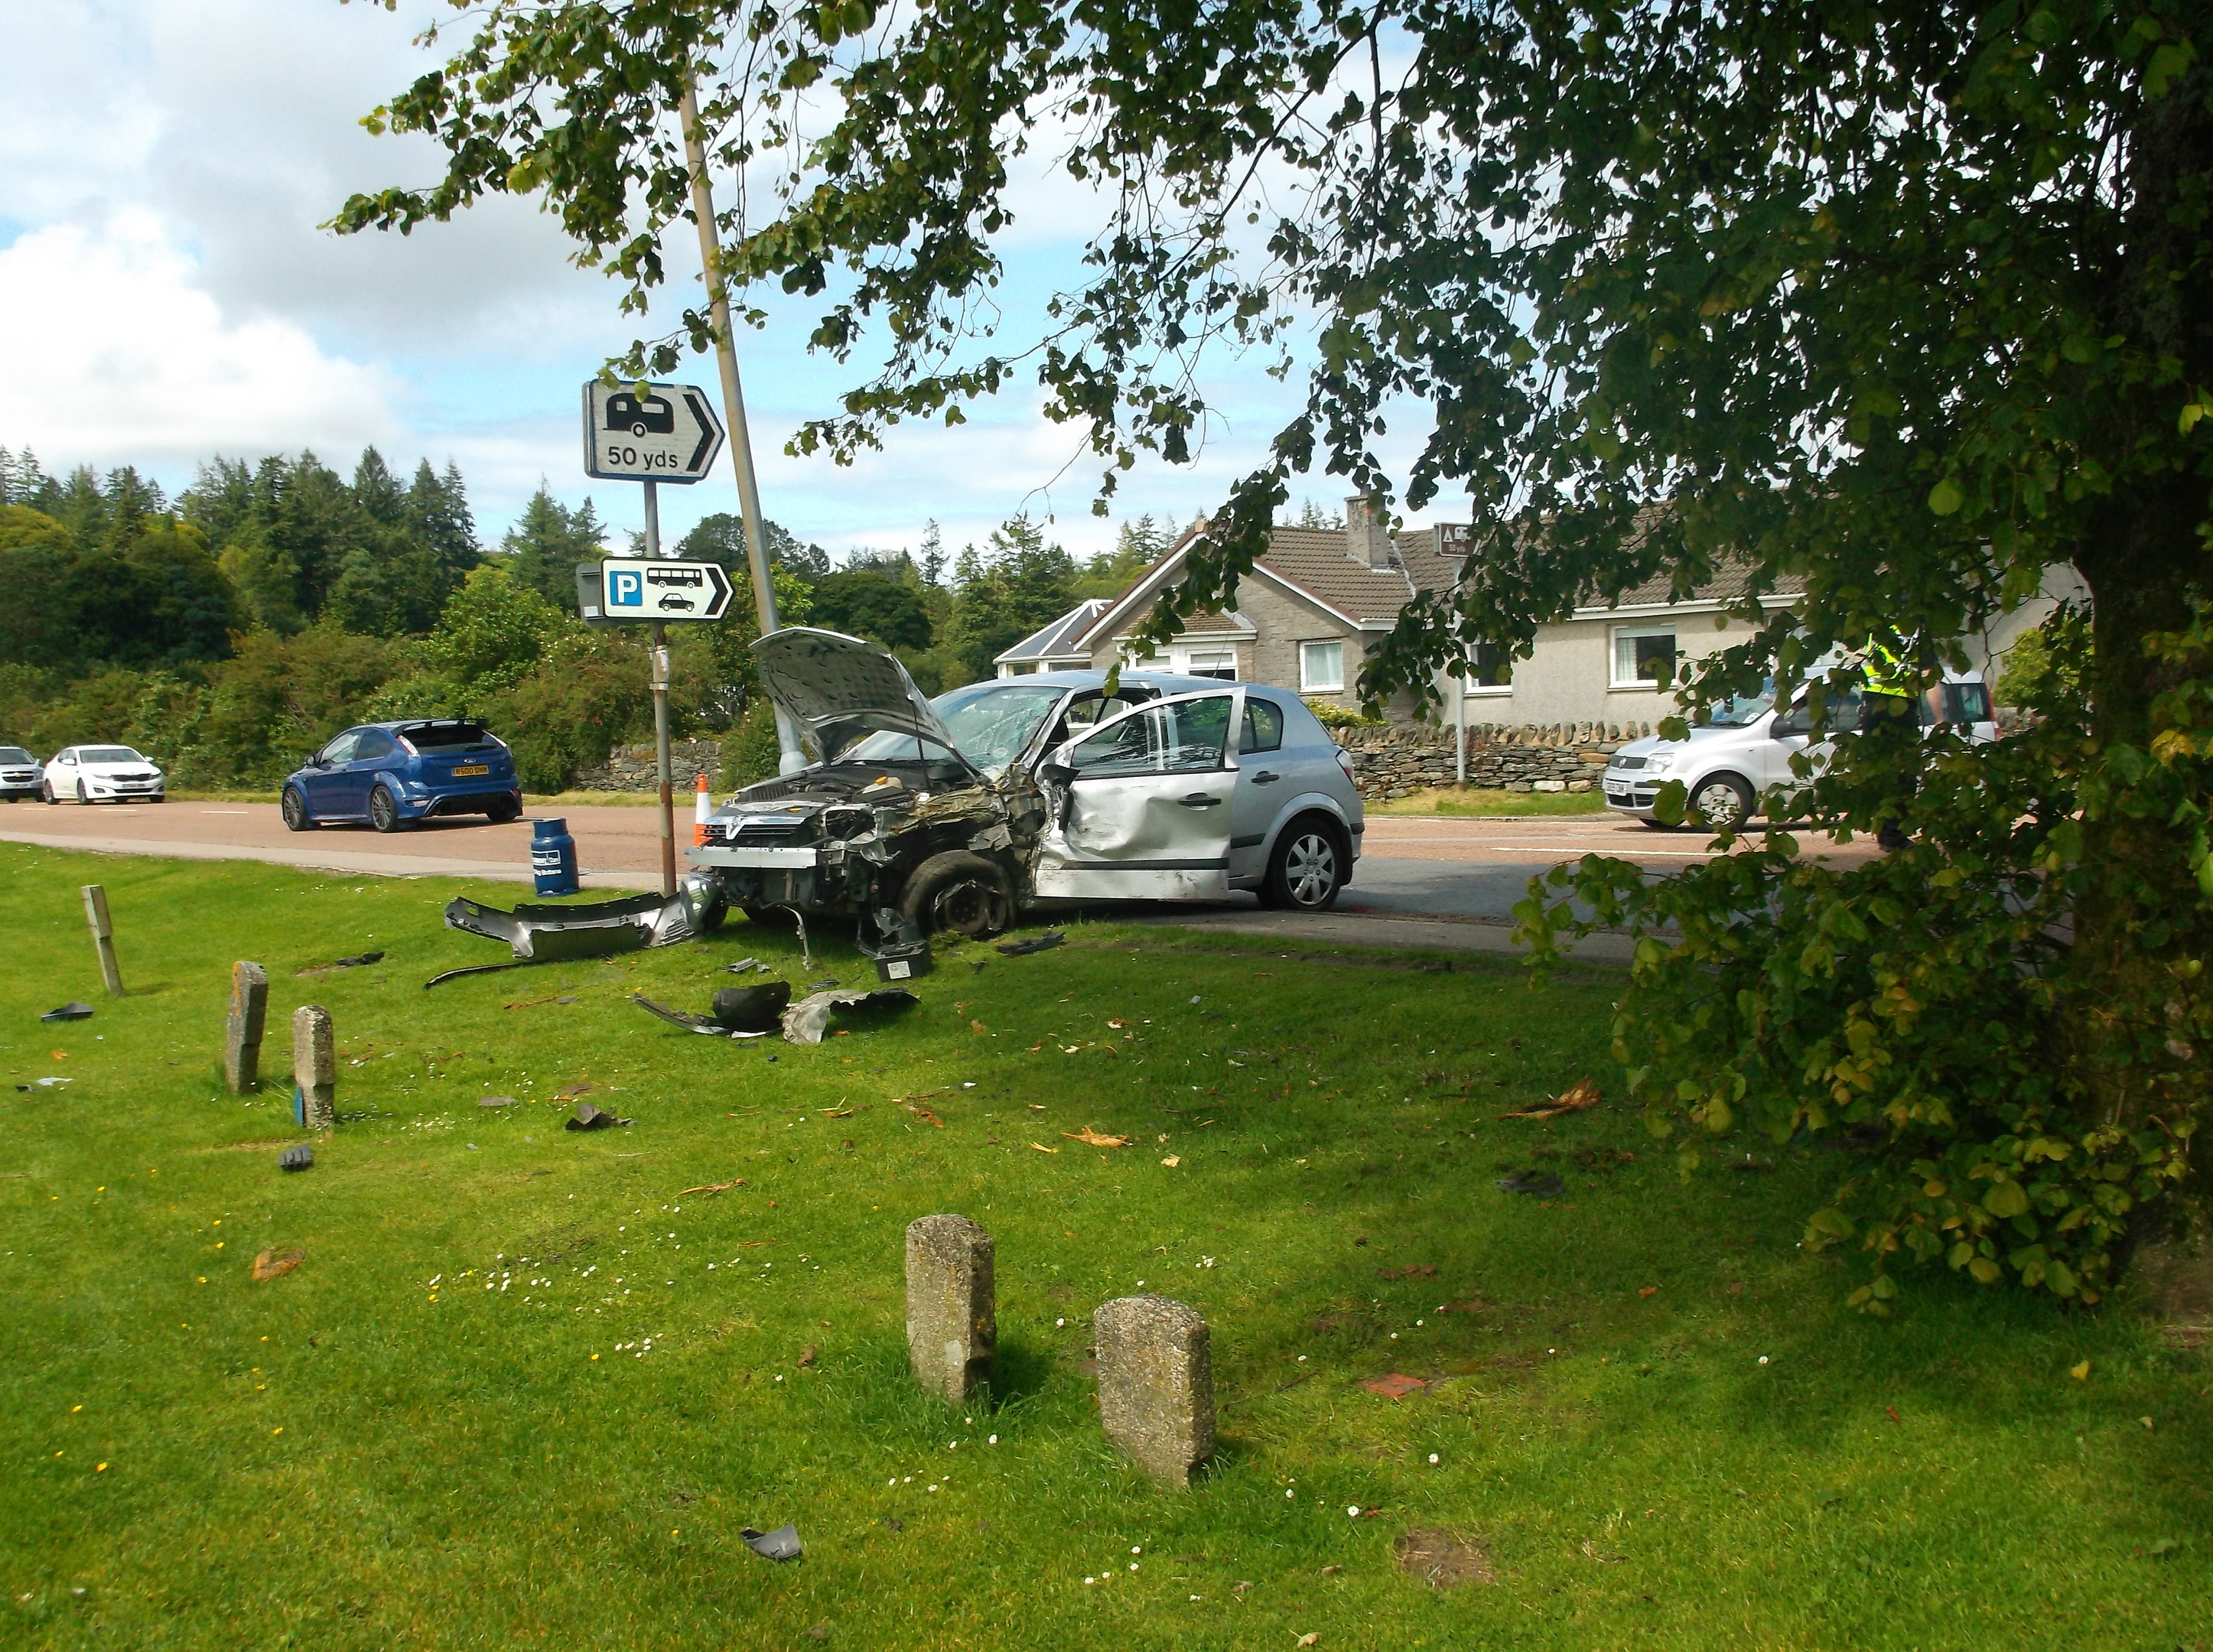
column 116, row 353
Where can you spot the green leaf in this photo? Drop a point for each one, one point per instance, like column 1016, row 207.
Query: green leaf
column 1945, row 499
column 2005, row 1199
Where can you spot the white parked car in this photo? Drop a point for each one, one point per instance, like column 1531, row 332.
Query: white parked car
column 1744, row 746
column 19, row 774
column 94, row 774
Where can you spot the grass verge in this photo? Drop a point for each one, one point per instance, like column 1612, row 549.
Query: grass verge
column 526, row 1386
column 1479, row 799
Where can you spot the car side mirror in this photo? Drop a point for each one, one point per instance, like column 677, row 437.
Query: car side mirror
column 1054, row 770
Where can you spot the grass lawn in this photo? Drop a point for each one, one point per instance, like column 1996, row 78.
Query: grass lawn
column 1477, row 800
column 528, row 1386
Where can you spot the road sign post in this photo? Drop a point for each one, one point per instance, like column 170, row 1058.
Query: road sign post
column 651, row 433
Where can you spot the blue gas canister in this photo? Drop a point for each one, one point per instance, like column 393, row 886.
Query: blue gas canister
column 553, row 857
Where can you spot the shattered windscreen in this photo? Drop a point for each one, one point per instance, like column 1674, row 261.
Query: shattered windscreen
column 990, row 722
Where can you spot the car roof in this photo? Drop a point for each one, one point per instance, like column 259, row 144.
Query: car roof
column 1168, row 682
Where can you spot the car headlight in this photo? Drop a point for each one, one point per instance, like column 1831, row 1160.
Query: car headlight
column 1659, row 765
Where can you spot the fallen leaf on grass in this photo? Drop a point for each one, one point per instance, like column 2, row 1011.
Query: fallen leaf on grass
column 1091, row 1137
column 1581, row 1098
column 1891, row 1411
column 1648, row 1290
column 271, row 1264
column 710, row 1187
column 1042, row 1148
column 2080, row 1373
column 1396, row 1386
column 1310, row 1640
column 842, row 1113
column 1173, row 1160
column 924, row 1114
column 977, row 1026
column 805, row 1356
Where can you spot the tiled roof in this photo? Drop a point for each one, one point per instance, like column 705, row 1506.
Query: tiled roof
column 1729, row 582
column 1058, row 640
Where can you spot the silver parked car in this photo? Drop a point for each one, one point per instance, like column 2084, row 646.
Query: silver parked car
column 19, row 774
column 1032, row 791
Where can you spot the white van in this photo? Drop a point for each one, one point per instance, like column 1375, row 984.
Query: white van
column 1745, row 745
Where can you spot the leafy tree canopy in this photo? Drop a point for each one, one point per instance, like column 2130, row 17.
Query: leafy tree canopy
column 1894, row 303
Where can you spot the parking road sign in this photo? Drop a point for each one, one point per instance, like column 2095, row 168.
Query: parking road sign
column 648, row 588
column 649, row 433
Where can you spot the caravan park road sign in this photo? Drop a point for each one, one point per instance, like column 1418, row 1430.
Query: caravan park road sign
column 650, row 433
column 654, row 588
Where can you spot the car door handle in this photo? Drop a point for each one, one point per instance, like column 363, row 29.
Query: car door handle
column 1199, row 799
column 1265, row 777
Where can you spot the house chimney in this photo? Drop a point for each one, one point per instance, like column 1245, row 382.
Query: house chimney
column 1366, row 538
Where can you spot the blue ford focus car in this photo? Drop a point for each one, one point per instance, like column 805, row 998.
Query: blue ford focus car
column 393, row 774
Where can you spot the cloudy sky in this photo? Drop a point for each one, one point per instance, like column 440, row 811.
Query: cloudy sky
column 165, row 295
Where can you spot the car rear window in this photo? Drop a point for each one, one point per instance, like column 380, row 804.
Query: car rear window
column 1264, row 726
column 445, row 736
column 16, row 754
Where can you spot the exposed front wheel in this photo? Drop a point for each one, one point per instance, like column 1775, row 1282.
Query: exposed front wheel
column 959, row 892
column 383, row 812
column 293, row 806
column 1306, row 870
column 1722, row 802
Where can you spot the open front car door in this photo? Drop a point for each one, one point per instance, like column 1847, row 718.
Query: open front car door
column 1140, row 806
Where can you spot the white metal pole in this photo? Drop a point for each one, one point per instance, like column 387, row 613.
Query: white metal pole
column 734, row 399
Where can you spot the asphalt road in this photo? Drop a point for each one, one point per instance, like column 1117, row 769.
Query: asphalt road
column 1427, row 881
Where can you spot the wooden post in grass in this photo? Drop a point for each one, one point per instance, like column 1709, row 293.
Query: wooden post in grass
column 249, row 1015
column 103, row 938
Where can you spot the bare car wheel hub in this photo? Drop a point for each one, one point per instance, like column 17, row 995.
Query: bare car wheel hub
column 970, row 907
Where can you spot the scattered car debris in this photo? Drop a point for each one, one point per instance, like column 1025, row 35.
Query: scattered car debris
column 741, row 1012
column 1539, row 1184
column 745, row 964
column 590, row 1118
column 69, row 1012
column 782, row 1543
column 900, row 950
column 602, row 928
column 805, row 1021
column 41, row 1084
column 496, row 1101
column 1045, row 942
column 360, row 962
column 271, row 1265
column 295, row 1158
column 823, row 986
column 1580, row 1098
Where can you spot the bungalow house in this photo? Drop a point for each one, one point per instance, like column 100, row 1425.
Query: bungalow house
column 1053, row 649
column 1318, row 599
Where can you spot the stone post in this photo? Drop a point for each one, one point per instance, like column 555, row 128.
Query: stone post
column 314, row 1066
column 249, row 1015
column 1157, row 1384
column 103, row 938
column 951, row 1318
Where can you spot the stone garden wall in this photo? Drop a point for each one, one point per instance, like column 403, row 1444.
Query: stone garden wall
column 1390, row 762
column 631, row 768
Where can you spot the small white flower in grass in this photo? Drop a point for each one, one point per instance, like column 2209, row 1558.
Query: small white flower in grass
column 1288, row 1492
column 893, row 1481
column 1353, row 1510
column 1433, row 1456
column 1135, row 1549
column 1133, row 1565
column 993, row 1440
column 1763, row 1359
column 1056, row 1322
column 931, row 1489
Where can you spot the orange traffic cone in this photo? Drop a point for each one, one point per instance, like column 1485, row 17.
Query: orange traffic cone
column 702, row 807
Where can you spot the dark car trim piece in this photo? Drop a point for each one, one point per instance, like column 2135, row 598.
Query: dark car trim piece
column 1146, row 865
column 1253, row 842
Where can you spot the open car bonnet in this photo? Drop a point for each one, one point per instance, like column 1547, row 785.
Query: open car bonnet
column 838, row 688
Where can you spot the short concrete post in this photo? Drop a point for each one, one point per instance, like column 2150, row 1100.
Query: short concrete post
column 315, row 1066
column 103, row 938
column 249, row 1015
column 1157, row 1384
column 952, row 1317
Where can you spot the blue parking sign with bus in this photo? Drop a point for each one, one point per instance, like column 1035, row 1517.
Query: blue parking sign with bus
column 630, row 588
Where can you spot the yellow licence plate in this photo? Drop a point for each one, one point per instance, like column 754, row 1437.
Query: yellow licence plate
column 472, row 768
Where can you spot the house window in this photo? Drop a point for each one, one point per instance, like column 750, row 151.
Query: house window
column 1321, row 667
column 1492, row 670
column 1644, row 657
column 1217, row 662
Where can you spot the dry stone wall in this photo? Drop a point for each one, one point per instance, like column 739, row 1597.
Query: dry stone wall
column 631, row 768
column 1391, row 762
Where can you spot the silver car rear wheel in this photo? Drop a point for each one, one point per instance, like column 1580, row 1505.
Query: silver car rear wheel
column 1306, row 870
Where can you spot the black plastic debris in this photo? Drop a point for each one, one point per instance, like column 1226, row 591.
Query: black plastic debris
column 805, row 1021
column 360, row 961
column 896, row 944
column 1045, row 942
column 590, row 1118
column 745, row 965
column 295, row 1158
column 822, row 986
column 1538, row 1184
column 543, row 935
column 782, row 1543
column 740, row 1012
column 69, row 1012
